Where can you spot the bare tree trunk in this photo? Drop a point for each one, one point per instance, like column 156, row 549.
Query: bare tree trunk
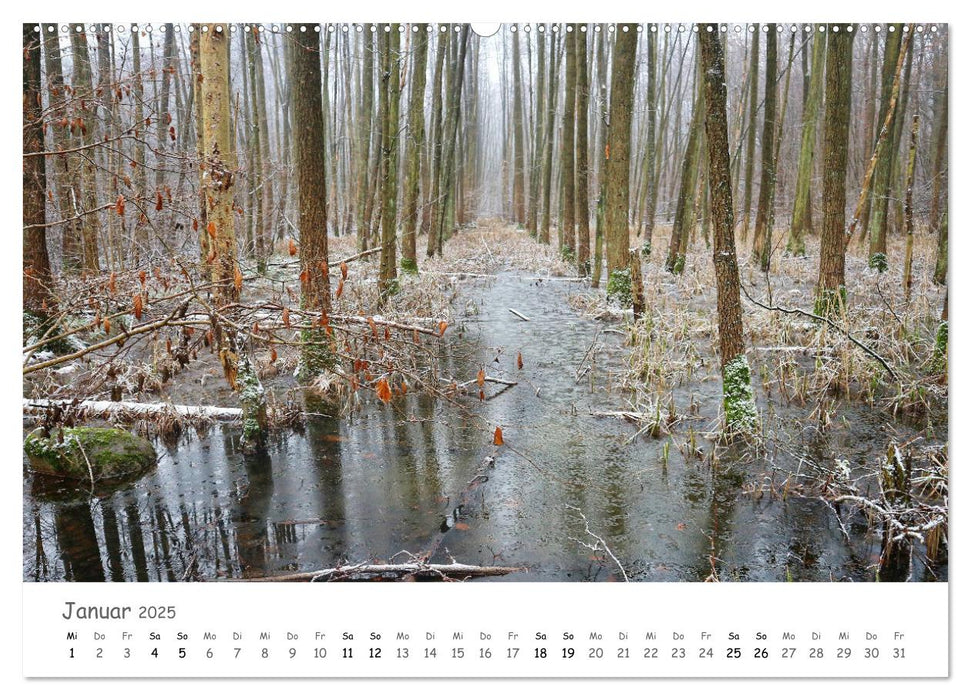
column 884, row 166
column 802, row 222
column 87, row 196
column 762, row 243
column 364, row 135
column 519, row 137
column 617, row 192
column 416, row 143
column 219, row 165
column 753, row 112
column 831, row 287
column 390, row 102
column 582, row 167
column 739, row 406
column 38, row 294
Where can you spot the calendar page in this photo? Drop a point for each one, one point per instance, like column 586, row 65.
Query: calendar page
column 614, row 349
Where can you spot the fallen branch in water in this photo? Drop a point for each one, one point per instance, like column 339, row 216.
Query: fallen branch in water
column 412, row 569
column 490, row 380
column 113, row 409
column 516, row 313
column 869, row 351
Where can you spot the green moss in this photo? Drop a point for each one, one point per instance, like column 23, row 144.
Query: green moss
column 940, row 348
column 409, row 266
column 830, row 302
column 796, row 246
column 252, row 398
column 879, row 262
column 646, row 249
column 112, row 453
column 740, row 413
column 568, row 254
column 678, row 266
column 316, row 355
column 618, row 289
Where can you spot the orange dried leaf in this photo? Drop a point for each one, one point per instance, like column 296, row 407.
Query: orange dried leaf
column 461, row 526
column 272, row 354
column 137, row 303
column 142, row 276
column 195, row 224
column 519, row 361
column 286, row 317
column 107, row 325
column 211, row 228
column 111, row 283
column 497, row 437
column 158, row 201
column 292, row 246
column 480, row 378
column 340, row 289
column 120, row 205
column 237, row 279
column 383, row 390
column 343, row 270
column 441, row 328
column 374, row 326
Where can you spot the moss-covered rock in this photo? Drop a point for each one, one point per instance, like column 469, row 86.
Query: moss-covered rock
column 111, row 452
column 618, row 289
column 740, row 413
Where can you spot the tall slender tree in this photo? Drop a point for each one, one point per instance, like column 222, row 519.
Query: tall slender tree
column 415, row 147
column 567, row 238
column 390, row 101
column 753, row 114
column 582, row 158
column 762, row 243
column 802, row 221
column 740, row 414
column 219, row 162
column 831, row 287
column 37, row 281
column 884, row 166
column 519, row 133
column 617, row 176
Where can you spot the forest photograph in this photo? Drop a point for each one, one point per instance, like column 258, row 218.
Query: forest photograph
column 425, row 302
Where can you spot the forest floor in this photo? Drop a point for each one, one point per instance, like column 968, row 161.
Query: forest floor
column 791, row 355
column 606, row 390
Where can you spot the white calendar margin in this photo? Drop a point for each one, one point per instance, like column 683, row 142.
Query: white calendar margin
column 508, row 10
column 272, row 618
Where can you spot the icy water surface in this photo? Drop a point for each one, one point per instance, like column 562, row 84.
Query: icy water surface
column 413, row 478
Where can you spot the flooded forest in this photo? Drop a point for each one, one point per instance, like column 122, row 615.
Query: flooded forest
column 547, row 302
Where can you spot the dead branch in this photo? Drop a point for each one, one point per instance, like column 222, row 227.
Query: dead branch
column 869, row 351
column 414, row 569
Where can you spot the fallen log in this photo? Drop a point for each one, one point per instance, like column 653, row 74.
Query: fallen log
column 411, row 569
column 132, row 409
column 516, row 313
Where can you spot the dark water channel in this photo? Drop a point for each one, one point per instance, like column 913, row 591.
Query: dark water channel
column 391, row 479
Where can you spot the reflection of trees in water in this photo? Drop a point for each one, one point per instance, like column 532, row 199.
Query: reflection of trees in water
column 252, row 515
column 77, row 542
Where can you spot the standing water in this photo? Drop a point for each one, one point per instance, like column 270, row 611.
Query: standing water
column 569, row 497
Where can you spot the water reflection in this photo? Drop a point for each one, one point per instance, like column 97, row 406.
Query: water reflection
column 411, row 477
